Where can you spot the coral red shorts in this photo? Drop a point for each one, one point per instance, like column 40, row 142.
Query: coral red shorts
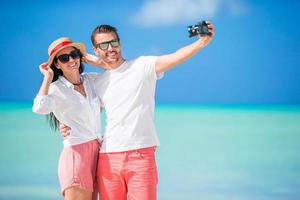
column 77, row 166
column 128, row 175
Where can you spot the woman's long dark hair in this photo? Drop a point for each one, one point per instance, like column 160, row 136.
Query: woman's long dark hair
column 54, row 123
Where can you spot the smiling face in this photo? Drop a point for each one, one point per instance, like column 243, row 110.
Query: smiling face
column 72, row 65
column 112, row 55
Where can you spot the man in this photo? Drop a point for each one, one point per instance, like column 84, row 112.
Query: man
column 126, row 166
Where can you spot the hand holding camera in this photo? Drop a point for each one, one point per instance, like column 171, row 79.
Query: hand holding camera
column 202, row 28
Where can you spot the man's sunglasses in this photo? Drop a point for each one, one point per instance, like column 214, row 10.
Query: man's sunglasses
column 64, row 58
column 104, row 45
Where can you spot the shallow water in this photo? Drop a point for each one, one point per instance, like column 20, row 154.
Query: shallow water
column 207, row 152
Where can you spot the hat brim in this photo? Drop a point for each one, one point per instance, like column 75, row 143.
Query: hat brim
column 77, row 45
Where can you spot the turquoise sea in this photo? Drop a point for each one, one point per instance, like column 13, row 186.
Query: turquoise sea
column 215, row 152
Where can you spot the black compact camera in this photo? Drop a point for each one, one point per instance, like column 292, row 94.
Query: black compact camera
column 199, row 29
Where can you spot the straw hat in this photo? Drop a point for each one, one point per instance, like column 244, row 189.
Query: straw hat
column 62, row 43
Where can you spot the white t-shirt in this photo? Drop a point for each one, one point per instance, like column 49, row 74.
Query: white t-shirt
column 81, row 114
column 127, row 94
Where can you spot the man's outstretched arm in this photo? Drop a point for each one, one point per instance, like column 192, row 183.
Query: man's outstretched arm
column 166, row 62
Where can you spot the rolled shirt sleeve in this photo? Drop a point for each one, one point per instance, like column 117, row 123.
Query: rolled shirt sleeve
column 43, row 104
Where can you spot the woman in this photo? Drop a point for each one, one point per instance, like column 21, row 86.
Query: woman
column 68, row 96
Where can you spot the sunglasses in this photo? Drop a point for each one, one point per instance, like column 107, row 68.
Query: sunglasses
column 104, row 45
column 64, row 58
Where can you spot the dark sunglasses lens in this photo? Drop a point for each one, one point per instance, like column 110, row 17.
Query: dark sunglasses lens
column 75, row 54
column 114, row 43
column 64, row 58
column 103, row 46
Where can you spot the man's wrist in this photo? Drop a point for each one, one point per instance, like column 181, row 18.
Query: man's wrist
column 201, row 42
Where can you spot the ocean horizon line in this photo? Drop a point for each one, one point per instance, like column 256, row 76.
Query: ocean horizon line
column 6, row 105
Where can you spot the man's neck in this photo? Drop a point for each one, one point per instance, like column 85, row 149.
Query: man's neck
column 116, row 64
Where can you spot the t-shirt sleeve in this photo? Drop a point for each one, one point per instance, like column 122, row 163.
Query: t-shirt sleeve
column 149, row 67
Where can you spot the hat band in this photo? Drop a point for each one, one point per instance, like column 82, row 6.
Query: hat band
column 60, row 45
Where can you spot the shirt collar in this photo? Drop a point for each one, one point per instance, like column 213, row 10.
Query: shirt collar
column 66, row 82
column 118, row 68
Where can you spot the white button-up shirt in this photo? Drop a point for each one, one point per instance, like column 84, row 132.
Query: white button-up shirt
column 81, row 114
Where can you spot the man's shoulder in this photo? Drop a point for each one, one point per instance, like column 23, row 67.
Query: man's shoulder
column 99, row 78
column 91, row 75
column 142, row 60
column 146, row 58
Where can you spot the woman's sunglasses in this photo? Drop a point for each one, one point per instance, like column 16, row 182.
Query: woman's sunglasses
column 64, row 58
column 104, row 45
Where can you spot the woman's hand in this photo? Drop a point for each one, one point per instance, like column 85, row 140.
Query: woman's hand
column 94, row 60
column 46, row 70
column 48, row 77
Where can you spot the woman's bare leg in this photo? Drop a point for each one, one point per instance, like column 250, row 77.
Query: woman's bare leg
column 77, row 193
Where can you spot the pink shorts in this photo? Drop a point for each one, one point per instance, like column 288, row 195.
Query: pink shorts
column 128, row 175
column 77, row 166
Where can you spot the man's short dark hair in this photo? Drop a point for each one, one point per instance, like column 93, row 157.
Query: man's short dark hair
column 103, row 29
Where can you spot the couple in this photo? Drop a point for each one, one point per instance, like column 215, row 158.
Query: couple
column 125, row 167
